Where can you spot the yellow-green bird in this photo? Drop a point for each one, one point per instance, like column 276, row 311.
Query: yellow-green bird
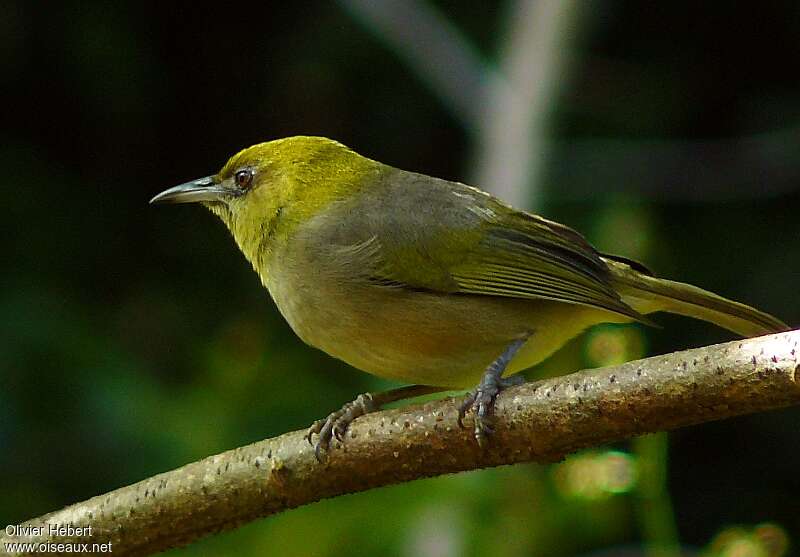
column 424, row 280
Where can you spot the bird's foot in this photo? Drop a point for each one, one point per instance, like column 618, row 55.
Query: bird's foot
column 336, row 423
column 481, row 402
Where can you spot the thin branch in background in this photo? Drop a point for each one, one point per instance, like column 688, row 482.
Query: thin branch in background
column 749, row 167
column 434, row 49
column 535, row 422
column 513, row 145
column 653, row 503
column 505, row 111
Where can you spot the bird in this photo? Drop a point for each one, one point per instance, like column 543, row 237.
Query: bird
column 424, row 280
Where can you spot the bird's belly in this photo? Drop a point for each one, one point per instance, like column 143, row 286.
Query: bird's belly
column 445, row 340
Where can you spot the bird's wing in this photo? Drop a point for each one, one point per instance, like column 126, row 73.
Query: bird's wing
column 422, row 233
column 535, row 258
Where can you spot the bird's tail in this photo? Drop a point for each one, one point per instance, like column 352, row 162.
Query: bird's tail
column 648, row 294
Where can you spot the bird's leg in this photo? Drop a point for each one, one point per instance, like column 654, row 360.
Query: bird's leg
column 481, row 400
column 336, row 423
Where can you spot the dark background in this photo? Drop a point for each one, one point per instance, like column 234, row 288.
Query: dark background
column 134, row 339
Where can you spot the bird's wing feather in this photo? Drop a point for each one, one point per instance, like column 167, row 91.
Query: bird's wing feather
column 467, row 242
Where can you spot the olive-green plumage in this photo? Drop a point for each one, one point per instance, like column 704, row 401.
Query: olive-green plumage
column 420, row 279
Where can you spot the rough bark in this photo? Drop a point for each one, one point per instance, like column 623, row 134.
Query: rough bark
column 539, row 422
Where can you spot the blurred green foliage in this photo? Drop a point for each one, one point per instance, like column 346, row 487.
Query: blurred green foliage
column 135, row 339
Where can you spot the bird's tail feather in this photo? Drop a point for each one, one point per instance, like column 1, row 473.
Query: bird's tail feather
column 648, row 294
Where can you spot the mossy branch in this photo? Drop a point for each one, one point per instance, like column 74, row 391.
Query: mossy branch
column 536, row 422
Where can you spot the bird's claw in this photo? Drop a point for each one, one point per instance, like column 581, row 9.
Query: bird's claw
column 335, row 425
column 315, row 428
column 481, row 401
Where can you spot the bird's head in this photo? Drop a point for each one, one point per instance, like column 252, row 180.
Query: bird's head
column 265, row 191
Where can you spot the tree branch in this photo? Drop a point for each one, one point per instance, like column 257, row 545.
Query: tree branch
column 540, row 422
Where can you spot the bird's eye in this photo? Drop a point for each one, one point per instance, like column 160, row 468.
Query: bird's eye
column 243, row 178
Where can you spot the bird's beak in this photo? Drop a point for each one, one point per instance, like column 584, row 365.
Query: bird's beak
column 202, row 189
